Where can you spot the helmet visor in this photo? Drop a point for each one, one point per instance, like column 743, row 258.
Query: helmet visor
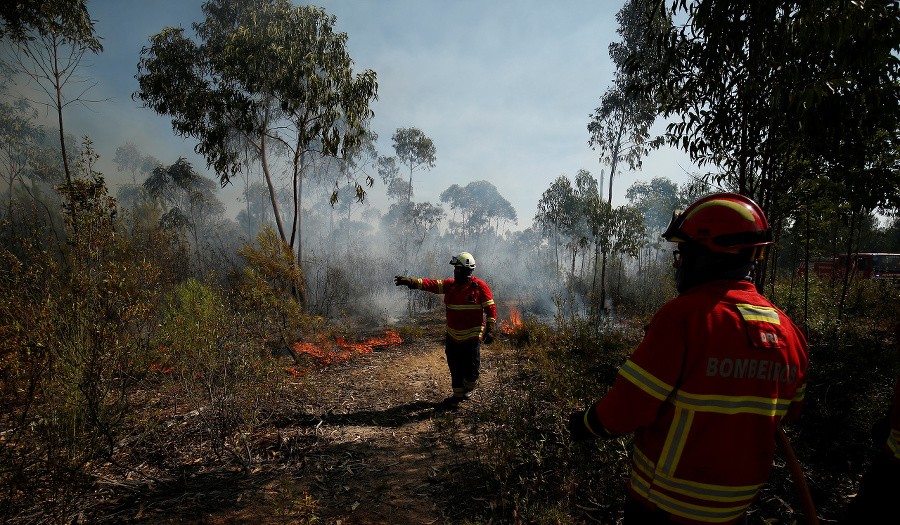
column 673, row 231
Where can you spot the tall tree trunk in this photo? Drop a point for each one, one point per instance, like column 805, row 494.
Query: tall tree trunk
column 196, row 238
column 847, row 273
column 594, row 279
column 603, row 283
column 59, row 107
column 268, row 176
column 298, row 224
column 806, row 276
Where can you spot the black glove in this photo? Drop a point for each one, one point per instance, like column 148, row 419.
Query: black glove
column 488, row 336
column 577, row 429
column 399, row 280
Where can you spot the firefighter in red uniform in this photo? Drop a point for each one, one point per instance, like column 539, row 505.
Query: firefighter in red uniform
column 471, row 317
column 718, row 369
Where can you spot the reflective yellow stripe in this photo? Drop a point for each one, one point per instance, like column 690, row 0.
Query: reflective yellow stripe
column 800, row 394
column 697, row 512
column 674, row 446
column 487, row 303
column 419, row 285
column 639, row 484
column 645, row 380
column 464, row 334
column 764, row 406
column 893, row 443
column 724, row 494
column 464, row 306
column 693, row 489
column 759, row 313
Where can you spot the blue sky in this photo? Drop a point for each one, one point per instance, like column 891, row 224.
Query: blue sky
column 503, row 88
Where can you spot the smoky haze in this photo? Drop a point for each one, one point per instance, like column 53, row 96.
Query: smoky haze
column 506, row 104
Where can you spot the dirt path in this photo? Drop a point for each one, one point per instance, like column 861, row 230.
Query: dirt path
column 366, row 449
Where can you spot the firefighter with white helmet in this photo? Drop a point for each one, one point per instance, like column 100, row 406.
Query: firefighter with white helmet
column 471, row 318
column 718, row 369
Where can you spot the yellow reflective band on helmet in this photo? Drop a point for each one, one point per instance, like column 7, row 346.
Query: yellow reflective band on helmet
column 645, row 380
column 759, row 313
column 740, row 208
column 763, row 406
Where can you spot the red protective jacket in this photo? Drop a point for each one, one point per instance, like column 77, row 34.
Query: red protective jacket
column 718, row 369
column 467, row 304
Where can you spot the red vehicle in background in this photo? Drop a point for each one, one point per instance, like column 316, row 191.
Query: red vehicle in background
column 861, row 266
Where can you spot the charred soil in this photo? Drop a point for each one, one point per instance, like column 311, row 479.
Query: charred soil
column 360, row 444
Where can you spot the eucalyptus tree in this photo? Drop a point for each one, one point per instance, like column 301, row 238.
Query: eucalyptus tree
column 412, row 219
column 776, row 93
column 615, row 230
column 50, row 40
column 620, row 126
column 395, row 187
column 20, row 137
column 258, row 213
column 188, row 197
column 656, row 200
column 266, row 75
column 555, row 212
column 130, row 159
column 586, row 190
column 481, row 210
column 773, row 92
column 23, row 18
column 415, row 151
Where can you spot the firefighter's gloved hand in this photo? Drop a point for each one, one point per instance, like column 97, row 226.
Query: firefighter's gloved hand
column 577, row 429
column 399, row 280
column 488, row 336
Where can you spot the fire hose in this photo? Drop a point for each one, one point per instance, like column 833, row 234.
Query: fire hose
column 799, row 480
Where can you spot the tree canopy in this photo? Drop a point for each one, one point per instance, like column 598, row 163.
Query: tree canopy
column 264, row 76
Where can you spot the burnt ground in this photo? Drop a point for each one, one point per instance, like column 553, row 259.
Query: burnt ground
column 367, row 445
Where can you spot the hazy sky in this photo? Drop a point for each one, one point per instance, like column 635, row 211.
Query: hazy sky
column 503, row 88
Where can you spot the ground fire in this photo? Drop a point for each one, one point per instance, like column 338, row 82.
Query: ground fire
column 515, row 321
column 339, row 350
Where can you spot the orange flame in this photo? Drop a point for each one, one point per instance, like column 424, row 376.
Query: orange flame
column 515, row 321
column 339, row 350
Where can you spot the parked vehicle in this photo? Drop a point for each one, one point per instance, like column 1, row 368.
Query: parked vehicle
column 861, row 266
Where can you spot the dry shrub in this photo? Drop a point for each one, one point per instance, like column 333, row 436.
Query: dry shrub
column 216, row 371
column 75, row 322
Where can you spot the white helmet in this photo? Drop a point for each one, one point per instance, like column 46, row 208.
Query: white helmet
column 463, row 260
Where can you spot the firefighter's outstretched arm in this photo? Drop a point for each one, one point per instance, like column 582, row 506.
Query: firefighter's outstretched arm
column 400, row 280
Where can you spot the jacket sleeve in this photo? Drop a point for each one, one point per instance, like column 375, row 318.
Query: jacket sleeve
column 796, row 406
column 432, row 285
column 644, row 382
column 487, row 302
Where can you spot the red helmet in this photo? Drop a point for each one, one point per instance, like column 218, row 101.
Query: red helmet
column 723, row 222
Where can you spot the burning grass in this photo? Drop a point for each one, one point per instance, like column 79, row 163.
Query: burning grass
column 326, row 351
